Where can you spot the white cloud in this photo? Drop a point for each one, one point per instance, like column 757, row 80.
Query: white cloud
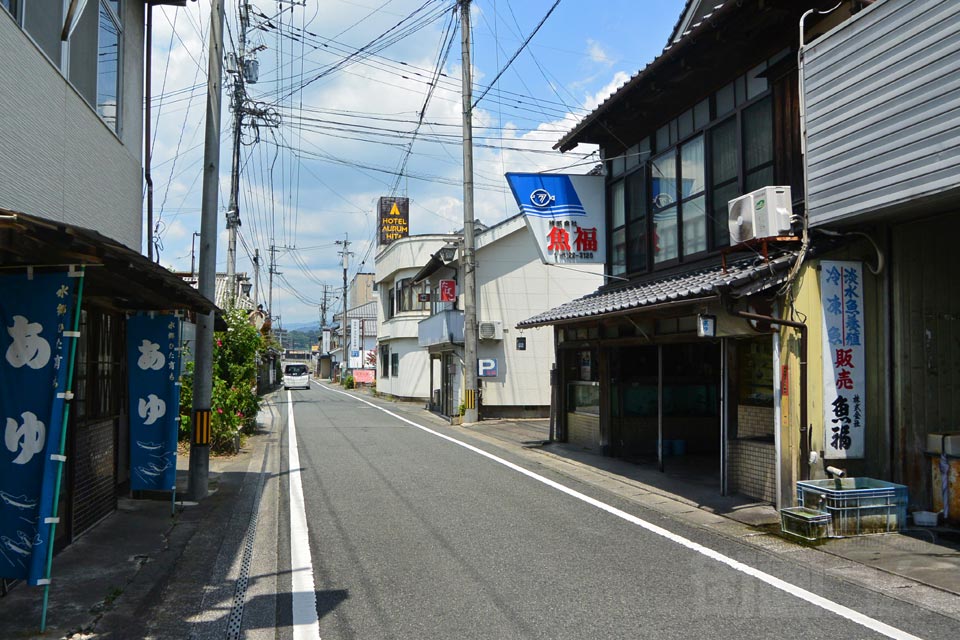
column 597, row 54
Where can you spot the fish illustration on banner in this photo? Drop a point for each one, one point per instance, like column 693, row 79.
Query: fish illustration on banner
column 36, row 314
column 153, row 350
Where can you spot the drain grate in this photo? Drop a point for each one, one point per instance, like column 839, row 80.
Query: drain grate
column 235, row 621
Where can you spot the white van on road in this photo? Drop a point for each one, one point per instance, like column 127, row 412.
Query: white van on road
column 296, row 376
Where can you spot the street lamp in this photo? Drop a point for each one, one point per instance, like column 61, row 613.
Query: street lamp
column 448, row 253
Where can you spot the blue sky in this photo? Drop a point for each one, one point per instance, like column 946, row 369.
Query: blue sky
column 344, row 129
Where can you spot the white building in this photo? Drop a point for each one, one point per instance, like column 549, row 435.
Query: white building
column 512, row 284
column 403, row 366
column 71, row 115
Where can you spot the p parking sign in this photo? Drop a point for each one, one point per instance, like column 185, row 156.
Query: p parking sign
column 487, row 367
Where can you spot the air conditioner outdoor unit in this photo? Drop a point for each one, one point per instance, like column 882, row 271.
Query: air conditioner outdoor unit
column 491, row 331
column 764, row 213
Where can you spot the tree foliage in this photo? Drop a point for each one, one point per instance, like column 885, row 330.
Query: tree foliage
column 235, row 402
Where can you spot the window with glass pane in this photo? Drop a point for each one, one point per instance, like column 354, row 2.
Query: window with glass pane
column 44, row 22
column 758, row 144
column 108, row 66
column 663, row 179
column 692, row 210
column 724, row 173
column 663, row 192
column 637, row 246
column 618, row 256
column 665, row 234
column 692, row 168
column 617, row 205
column 637, row 205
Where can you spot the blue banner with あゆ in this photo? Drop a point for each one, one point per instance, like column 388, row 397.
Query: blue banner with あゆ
column 37, row 314
column 153, row 354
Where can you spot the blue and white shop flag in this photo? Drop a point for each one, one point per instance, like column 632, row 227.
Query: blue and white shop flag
column 153, row 352
column 37, row 314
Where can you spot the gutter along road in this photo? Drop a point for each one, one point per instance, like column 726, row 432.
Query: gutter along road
column 405, row 528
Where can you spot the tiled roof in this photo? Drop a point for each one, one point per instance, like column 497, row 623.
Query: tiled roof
column 742, row 277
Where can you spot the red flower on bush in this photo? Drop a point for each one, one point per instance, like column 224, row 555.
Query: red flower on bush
column 219, row 410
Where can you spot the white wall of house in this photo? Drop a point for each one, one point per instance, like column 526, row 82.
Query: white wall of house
column 60, row 159
column 413, row 380
column 513, row 285
column 398, row 260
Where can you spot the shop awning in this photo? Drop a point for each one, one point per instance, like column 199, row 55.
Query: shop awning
column 741, row 277
column 117, row 278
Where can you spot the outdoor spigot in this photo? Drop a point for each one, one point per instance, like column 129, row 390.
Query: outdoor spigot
column 836, row 473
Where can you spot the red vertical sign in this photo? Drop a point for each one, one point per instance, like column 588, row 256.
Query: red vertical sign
column 448, row 290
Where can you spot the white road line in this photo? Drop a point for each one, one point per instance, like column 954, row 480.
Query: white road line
column 306, row 623
column 829, row 605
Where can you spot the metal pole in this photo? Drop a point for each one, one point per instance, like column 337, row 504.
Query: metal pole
column 724, row 408
column 470, row 413
column 233, row 209
column 193, row 254
column 805, row 429
column 270, row 271
column 343, row 331
column 62, row 450
column 660, row 407
column 199, row 473
column 256, row 277
column 147, row 116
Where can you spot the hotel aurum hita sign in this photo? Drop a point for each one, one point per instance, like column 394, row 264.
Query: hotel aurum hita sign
column 393, row 219
column 565, row 214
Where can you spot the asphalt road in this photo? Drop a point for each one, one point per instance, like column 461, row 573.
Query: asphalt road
column 411, row 535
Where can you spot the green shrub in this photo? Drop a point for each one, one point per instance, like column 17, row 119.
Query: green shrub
column 349, row 382
column 234, row 401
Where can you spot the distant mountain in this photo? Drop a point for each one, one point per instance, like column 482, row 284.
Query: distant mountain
column 312, row 327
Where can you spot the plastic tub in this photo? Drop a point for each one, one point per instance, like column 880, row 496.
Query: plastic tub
column 925, row 518
column 857, row 505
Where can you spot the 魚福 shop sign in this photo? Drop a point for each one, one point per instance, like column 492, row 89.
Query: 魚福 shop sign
column 844, row 373
column 565, row 214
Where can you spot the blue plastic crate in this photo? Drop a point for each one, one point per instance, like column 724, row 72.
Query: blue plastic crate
column 857, row 506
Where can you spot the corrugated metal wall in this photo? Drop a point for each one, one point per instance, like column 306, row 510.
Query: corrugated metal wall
column 883, row 108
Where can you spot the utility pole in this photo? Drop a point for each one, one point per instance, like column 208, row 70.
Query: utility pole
column 272, row 269
column 238, row 68
column 343, row 327
column 323, row 306
column 469, row 258
column 256, row 277
column 199, row 471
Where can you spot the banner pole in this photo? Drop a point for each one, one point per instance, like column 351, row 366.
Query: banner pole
column 63, row 444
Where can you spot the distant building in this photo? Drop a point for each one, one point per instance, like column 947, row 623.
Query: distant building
column 361, row 290
column 421, row 336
